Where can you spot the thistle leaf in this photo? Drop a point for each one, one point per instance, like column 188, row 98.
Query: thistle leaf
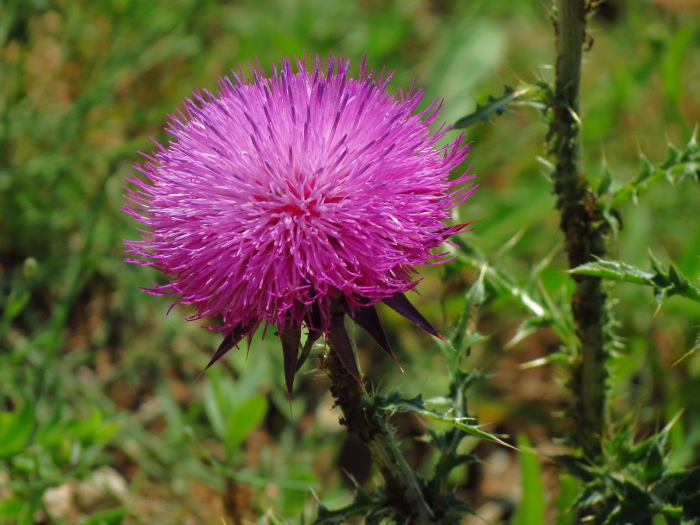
column 362, row 505
column 606, row 180
column 679, row 164
column 528, row 327
column 476, row 296
column 416, row 405
column 613, row 270
column 497, row 105
column 664, row 283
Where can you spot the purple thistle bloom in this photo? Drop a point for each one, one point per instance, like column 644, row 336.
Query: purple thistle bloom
column 285, row 199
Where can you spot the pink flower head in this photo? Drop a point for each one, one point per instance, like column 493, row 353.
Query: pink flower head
column 282, row 200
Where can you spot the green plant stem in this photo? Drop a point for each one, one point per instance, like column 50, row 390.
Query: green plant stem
column 363, row 420
column 581, row 224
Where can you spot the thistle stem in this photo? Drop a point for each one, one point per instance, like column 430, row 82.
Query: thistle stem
column 371, row 425
column 581, row 224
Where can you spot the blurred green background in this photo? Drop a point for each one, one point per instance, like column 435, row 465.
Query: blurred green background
column 103, row 418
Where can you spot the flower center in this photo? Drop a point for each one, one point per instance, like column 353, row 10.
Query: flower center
column 299, row 209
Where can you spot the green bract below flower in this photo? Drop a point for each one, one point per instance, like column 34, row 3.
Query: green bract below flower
column 296, row 196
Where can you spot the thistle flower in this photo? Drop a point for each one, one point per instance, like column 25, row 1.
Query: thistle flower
column 288, row 199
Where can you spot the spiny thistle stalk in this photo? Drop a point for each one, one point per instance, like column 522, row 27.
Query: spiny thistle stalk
column 403, row 490
column 581, row 224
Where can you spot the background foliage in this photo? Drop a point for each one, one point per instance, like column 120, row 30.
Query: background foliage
column 103, row 418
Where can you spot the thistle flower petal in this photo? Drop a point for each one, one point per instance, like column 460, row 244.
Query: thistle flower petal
column 280, row 195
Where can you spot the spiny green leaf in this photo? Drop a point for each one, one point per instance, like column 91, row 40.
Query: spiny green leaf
column 473, row 339
column 673, row 156
column 654, row 465
column 590, row 497
column 677, row 165
column 636, row 453
column 577, row 467
column 496, row 280
column 495, row 105
column 613, row 220
column 614, row 270
column 606, row 180
column 681, row 488
column 417, row 406
column 527, row 328
column 498, row 283
column 476, row 296
column 449, row 460
column 362, row 505
column 460, row 507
